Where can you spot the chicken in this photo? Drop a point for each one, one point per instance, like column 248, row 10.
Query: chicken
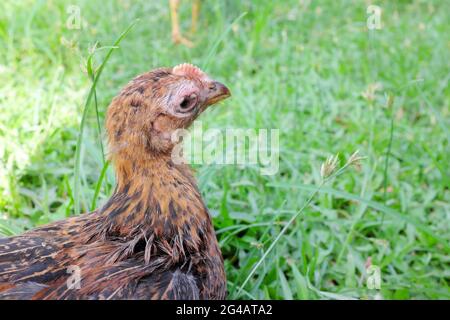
column 176, row 34
column 153, row 239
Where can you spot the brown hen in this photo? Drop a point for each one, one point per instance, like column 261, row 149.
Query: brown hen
column 154, row 238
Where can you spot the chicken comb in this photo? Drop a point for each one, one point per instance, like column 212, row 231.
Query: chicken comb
column 187, row 69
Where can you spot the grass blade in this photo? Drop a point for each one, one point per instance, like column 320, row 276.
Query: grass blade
column 99, row 185
column 287, row 293
column 374, row 205
column 302, row 287
column 77, row 168
column 213, row 49
column 278, row 237
column 388, row 151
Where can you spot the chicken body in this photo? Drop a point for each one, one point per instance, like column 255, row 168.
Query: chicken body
column 154, row 238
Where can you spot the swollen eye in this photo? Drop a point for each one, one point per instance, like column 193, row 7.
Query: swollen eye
column 188, row 103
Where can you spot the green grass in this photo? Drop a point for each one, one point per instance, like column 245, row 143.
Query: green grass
column 293, row 66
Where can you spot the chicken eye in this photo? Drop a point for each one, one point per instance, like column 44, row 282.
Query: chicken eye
column 188, row 103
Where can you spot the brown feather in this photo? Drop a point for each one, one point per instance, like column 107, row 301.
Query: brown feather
column 154, row 238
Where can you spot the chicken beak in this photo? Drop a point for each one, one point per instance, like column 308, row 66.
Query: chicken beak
column 217, row 92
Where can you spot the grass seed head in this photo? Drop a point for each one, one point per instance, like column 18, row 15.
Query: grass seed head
column 355, row 160
column 329, row 166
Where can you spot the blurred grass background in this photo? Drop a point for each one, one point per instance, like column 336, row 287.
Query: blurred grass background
column 309, row 68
